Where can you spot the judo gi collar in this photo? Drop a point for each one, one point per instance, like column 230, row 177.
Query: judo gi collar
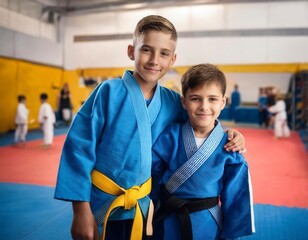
column 196, row 157
column 132, row 86
column 145, row 117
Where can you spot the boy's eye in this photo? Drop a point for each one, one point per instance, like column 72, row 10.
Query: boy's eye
column 213, row 99
column 145, row 49
column 195, row 99
column 165, row 54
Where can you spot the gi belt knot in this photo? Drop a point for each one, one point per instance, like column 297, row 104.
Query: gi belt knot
column 130, row 197
column 126, row 198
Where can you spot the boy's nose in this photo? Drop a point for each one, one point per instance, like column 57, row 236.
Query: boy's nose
column 203, row 105
column 154, row 58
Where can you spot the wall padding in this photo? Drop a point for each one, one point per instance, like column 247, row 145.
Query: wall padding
column 19, row 77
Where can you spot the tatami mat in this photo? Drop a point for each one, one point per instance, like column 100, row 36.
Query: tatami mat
column 279, row 170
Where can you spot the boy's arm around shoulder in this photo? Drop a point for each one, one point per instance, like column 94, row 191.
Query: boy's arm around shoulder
column 237, row 198
column 236, row 141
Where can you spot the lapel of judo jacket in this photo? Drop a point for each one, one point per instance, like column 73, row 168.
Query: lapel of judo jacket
column 196, row 157
column 145, row 118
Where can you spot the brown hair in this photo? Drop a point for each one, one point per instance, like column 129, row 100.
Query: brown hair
column 21, row 98
column 203, row 74
column 155, row 22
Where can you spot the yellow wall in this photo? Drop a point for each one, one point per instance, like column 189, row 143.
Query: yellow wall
column 78, row 93
column 21, row 77
column 8, row 93
column 257, row 68
column 30, row 79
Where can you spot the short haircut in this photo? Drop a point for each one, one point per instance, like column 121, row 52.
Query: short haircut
column 43, row 96
column 21, row 98
column 157, row 23
column 201, row 74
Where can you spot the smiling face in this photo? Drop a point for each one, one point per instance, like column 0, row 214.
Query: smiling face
column 204, row 104
column 153, row 55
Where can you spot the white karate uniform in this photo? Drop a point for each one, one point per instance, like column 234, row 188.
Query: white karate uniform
column 21, row 121
column 281, row 127
column 47, row 119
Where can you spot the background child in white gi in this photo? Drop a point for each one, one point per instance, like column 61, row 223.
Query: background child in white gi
column 47, row 120
column 21, row 121
column 281, row 128
column 197, row 173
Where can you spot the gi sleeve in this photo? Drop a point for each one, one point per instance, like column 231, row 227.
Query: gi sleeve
column 79, row 151
column 236, row 199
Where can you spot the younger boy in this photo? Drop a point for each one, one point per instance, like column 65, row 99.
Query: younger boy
column 21, row 121
column 47, row 120
column 197, row 173
column 105, row 167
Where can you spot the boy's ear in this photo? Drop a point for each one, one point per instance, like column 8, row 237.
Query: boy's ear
column 173, row 60
column 183, row 102
column 130, row 52
column 224, row 101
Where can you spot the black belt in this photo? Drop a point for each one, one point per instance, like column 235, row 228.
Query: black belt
column 182, row 208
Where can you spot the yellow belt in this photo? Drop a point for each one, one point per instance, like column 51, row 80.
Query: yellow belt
column 126, row 198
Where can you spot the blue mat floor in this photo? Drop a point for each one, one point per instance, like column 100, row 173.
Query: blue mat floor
column 29, row 212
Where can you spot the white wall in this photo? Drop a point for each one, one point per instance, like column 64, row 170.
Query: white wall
column 26, row 47
column 249, row 84
column 22, row 37
column 100, row 53
column 215, row 21
column 239, row 49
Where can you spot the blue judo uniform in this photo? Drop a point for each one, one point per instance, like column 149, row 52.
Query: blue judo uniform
column 207, row 173
column 113, row 133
